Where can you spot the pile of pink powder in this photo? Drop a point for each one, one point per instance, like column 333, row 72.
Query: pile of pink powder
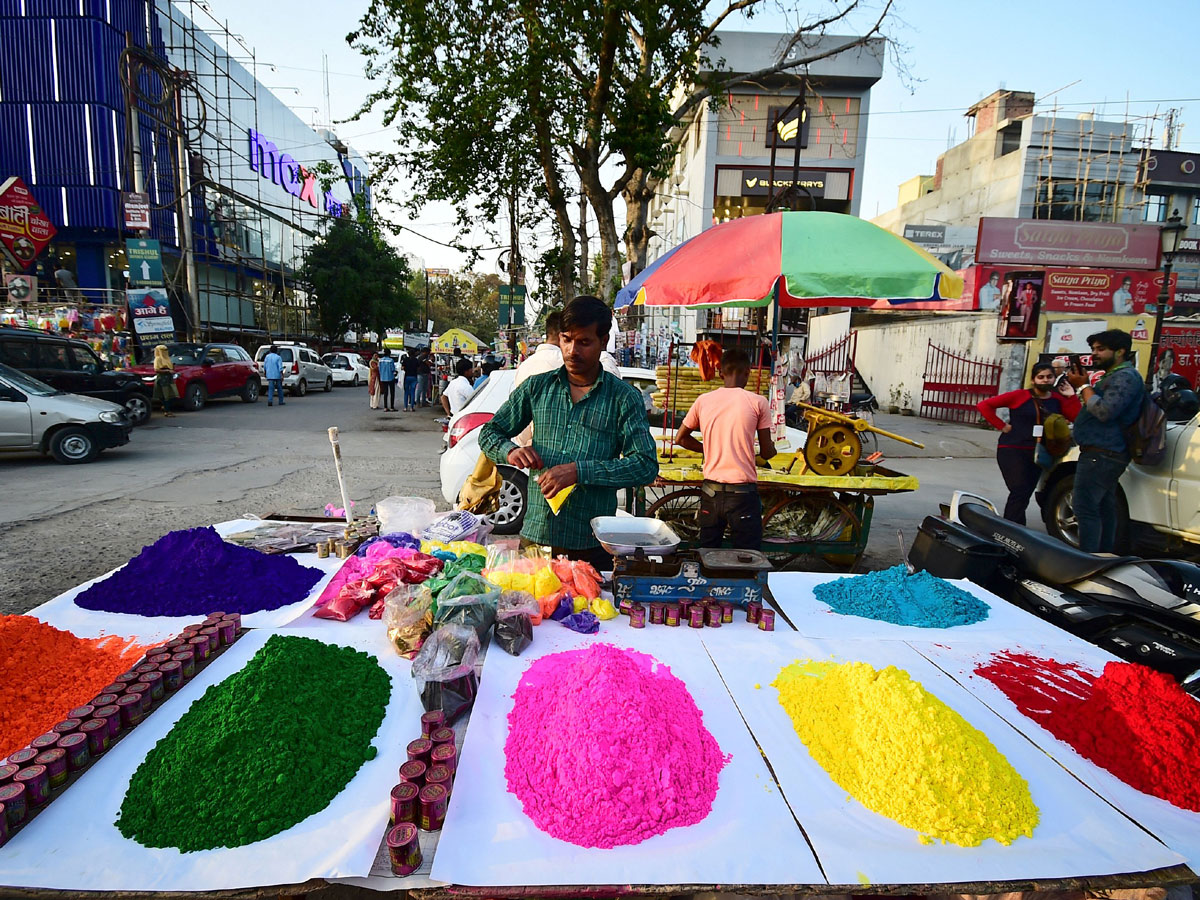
column 606, row 747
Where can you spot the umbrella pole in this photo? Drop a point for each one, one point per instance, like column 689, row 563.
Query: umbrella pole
column 674, row 400
column 775, row 326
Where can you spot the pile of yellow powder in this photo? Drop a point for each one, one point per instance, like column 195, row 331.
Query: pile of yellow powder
column 903, row 753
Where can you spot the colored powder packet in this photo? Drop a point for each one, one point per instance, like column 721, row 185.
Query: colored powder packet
column 892, row 595
column 192, row 572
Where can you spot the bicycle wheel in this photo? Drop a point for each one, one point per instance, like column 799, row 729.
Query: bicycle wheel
column 680, row 509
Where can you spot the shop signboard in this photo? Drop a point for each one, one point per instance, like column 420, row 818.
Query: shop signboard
column 1179, row 352
column 1049, row 243
column 150, row 311
column 757, row 182
column 925, row 234
column 24, row 229
column 21, row 288
column 1098, row 292
column 137, row 210
column 1021, row 294
column 512, row 305
column 1070, row 335
column 145, row 262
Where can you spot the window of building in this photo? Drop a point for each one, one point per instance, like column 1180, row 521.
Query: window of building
column 1008, row 139
column 1075, row 201
column 1196, row 210
column 1156, row 208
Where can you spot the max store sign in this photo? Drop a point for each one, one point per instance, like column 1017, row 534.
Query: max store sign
column 282, row 169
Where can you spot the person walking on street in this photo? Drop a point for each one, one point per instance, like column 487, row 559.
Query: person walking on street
column 273, row 371
column 373, row 381
column 1109, row 407
column 164, row 381
column 729, row 419
column 411, row 380
column 590, row 434
column 459, row 391
column 424, row 378
column 387, row 381
column 1016, row 451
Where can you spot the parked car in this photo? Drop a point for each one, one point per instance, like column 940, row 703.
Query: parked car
column 461, row 450
column 70, row 427
column 302, row 368
column 1158, row 507
column 204, row 371
column 347, row 368
column 72, row 366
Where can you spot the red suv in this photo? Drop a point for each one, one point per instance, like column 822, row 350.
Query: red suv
column 208, row 370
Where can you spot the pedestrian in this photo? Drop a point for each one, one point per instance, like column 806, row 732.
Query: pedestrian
column 412, row 379
column 273, row 371
column 1110, row 406
column 425, row 378
column 591, row 435
column 373, row 381
column 459, row 391
column 729, row 419
column 387, row 381
column 164, row 381
column 1016, row 450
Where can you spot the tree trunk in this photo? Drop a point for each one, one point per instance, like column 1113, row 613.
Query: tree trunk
column 606, row 227
column 638, row 194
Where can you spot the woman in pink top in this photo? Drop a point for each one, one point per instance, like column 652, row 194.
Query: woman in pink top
column 729, row 419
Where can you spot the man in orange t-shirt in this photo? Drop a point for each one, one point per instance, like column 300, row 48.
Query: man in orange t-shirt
column 728, row 419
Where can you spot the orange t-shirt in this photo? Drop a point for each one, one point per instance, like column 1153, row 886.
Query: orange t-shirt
column 729, row 420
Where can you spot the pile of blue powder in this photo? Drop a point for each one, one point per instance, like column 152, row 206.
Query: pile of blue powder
column 194, row 572
column 892, row 595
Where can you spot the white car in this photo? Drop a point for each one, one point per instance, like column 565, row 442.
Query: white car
column 347, row 368
column 1158, row 507
column 302, row 369
column 462, row 445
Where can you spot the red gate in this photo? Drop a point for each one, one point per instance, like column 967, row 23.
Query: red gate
column 831, row 372
column 954, row 384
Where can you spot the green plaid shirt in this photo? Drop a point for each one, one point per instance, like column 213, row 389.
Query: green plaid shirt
column 604, row 434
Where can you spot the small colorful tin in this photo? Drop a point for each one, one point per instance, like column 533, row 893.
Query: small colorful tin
column 214, row 639
column 419, row 750
column 110, row 715
column 76, row 747
column 155, row 680
column 322, row 550
column 445, row 755
column 23, row 757
column 145, row 692
column 440, row 774
column 658, row 613
column 344, row 549
column 126, row 678
column 671, row 615
column 16, row 806
column 3, row 827
column 45, row 741
column 625, row 607
column 83, row 713
column 37, row 784
column 7, row 772
column 726, row 613
column 97, row 735
column 443, row 735
column 187, row 659
column 98, row 701
column 696, row 616
column 227, row 632
column 431, row 721
column 753, row 612
column 404, row 849
column 116, row 689
column 172, row 674
column 55, row 761
column 200, row 647
column 766, row 620
column 431, row 807
column 158, row 658
column 236, row 619
column 146, row 667
column 712, row 616
column 174, row 644
column 413, row 771
column 130, row 706
column 685, row 609
column 637, row 616
column 404, row 802
column 214, row 617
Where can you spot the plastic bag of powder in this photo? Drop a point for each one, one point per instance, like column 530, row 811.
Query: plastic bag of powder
column 354, row 597
column 468, row 600
column 444, row 671
column 515, row 614
column 408, row 618
column 583, row 622
column 564, row 607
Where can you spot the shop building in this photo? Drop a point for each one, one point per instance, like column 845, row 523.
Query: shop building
column 237, row 185
column 723, row 168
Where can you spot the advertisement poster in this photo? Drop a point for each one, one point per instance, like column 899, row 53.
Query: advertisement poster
column 1071, row 336
column 21, row 288
column 1104, row 291
column 24, row 229
column 1020, row 305
column 1178, row 353
column 150, row 310
column 1049, row 242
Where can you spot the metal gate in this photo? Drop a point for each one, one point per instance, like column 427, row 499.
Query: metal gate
column 831, row 371
column 954, row 384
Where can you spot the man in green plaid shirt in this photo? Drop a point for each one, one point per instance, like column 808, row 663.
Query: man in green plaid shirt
column 589, row 430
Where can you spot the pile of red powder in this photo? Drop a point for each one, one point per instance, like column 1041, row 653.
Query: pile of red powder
column 606, row 748
column 1135, row 722
column 45, row 673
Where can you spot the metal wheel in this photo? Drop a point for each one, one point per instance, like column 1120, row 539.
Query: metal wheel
column 681, row 510
column 73, row 445
column 302, row 388
column 137, row 407
column 195, row 396
column 809, row 517
column 511, row 505
column 249, row 393
column 328, row 383
column 354, row 383
column 833, row 449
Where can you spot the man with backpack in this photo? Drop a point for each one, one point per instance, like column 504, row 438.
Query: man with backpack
column 1110, row 407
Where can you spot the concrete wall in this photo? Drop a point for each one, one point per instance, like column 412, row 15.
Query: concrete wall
column 891, row 354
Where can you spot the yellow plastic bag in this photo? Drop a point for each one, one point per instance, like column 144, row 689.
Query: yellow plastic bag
column 545, row 582
column 579, row 604
column 602, row 609
column 458, row 548
column 556, row 502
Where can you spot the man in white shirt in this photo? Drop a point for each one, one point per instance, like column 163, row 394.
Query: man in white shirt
column 459, row 390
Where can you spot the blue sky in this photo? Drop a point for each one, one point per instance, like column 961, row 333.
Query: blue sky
column 1092, row 55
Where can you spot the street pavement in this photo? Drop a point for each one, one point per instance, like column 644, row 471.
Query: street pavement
column 61, row 525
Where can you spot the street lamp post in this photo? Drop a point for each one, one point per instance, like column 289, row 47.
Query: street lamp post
column 1169, row 235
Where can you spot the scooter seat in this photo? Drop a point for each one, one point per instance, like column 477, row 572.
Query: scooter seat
column 1039, row 554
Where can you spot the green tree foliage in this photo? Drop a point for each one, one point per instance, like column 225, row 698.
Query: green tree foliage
column 358, row 281
column 504, row 98
column 464, row 300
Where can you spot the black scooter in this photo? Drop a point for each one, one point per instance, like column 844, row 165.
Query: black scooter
column 1142, row 610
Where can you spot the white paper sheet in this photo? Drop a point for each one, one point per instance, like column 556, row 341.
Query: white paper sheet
column 749, row 837
column 793, row 593
column 1078, row 833
column 61, row 612
column 1178, row 828
column 74, row 845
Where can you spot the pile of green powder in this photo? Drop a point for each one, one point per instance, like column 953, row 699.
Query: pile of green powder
column 263, row 750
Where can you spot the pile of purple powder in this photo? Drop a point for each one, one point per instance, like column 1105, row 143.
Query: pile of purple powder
column 193, row 572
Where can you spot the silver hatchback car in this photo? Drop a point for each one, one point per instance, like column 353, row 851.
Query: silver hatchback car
column 70, row 427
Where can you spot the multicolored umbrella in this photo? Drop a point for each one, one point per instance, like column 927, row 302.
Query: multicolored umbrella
column 809, row 258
